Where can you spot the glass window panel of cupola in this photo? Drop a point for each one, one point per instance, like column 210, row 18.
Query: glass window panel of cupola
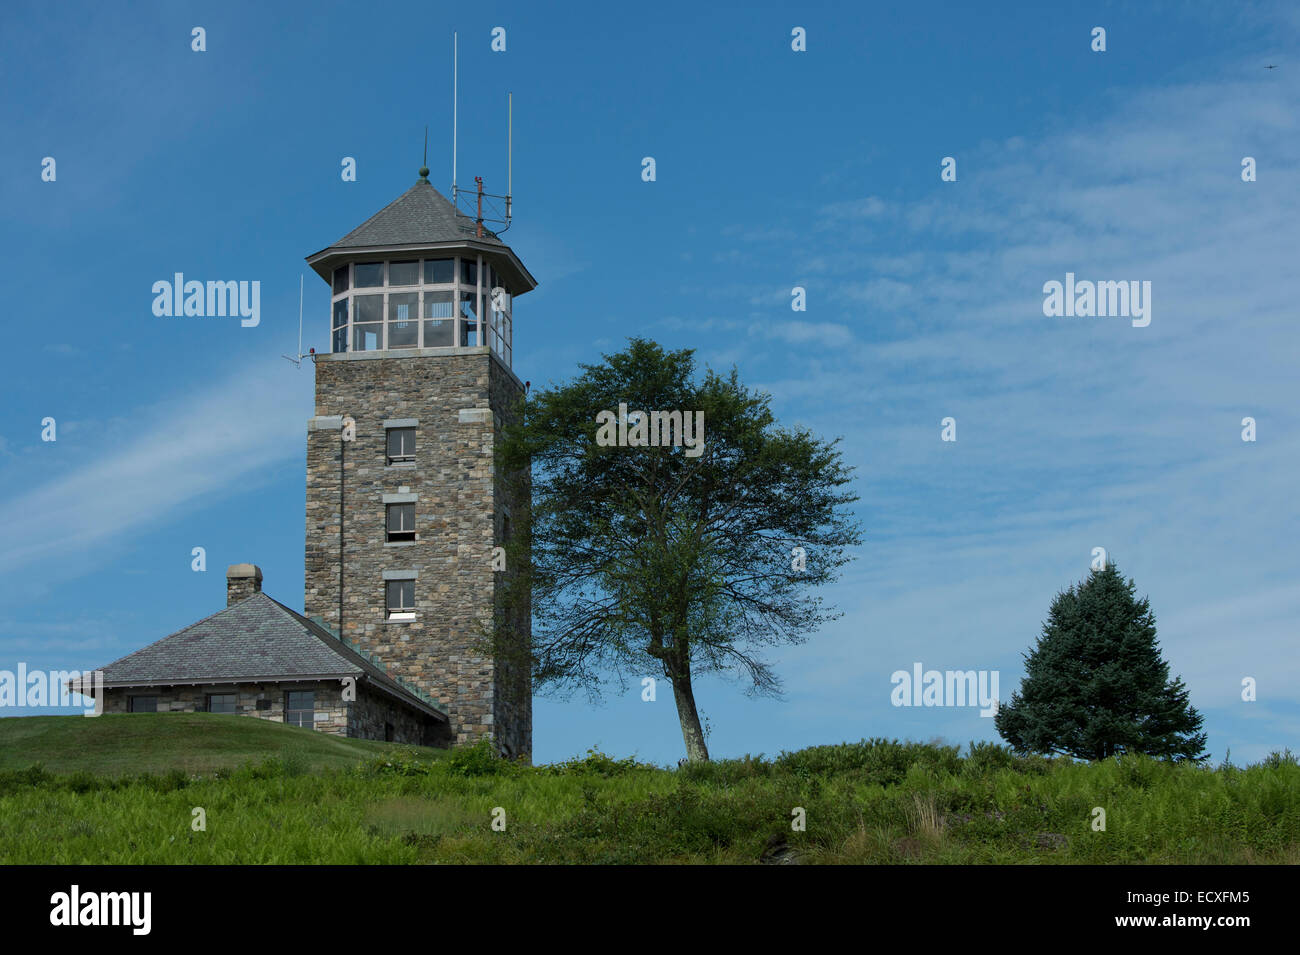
column 368, row 322
column 403, row 322
column 469, row 318
column 339, row 341
column 438, row 308
column 470, row 307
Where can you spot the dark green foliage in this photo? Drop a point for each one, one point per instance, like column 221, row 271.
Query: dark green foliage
column 882, row 761
column 1279, row 758
column 595, row 763
column 646, row 560
column 407, row 762
column 481, row 759
column 984, row 757
column 1096, row 685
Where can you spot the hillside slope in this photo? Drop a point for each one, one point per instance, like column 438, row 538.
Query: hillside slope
column 130, row 744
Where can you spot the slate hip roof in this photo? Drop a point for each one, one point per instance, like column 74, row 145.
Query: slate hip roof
column 421, row 215
column 255, row 640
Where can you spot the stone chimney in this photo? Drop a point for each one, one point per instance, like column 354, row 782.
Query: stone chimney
column 242, row 580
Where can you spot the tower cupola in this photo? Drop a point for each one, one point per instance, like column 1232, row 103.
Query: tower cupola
column 421, row 275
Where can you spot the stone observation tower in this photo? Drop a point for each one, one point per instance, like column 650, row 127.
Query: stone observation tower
column 405, row 500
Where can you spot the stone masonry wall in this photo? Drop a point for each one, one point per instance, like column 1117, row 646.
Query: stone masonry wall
column 363, row 718
column 457, row 520
column 513, row 705
column 331, row 711
column 369, row 714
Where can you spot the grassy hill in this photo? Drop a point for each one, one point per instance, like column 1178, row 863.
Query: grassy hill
column 117, row 744
column 128, row 790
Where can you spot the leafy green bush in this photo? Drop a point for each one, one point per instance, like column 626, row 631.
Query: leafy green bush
column 595, row 763
column 400, row 762
column 1276, row 759
column 882, row 761
column 481, row 759
column 726, row 772
column 985, row 758
column 15, row 779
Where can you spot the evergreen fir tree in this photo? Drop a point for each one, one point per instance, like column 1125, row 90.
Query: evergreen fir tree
column 1096, row 686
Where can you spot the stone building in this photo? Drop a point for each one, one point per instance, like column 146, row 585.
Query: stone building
column 407, row 514
column 259, row 658
column 405, row 502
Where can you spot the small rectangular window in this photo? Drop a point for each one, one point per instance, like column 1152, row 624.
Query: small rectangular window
column 221, row 702
column 439, row 319
column 368, row 323
column 401, row 599
column 469, row 272
column 340, row 339
column 369, row 308
column 403, row 273
column 439, row 271
column 300, row 708
column 403, row 326
column 401, row 446
column 469, row 314
column 368, row 274
column 368, row 337
column 401, row 522
column 340, row 280
column 142, row 704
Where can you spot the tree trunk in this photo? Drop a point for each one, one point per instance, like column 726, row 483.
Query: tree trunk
column 692, row 734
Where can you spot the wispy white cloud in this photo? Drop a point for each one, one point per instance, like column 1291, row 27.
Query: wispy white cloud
column 1072, row 433
column 196, row 447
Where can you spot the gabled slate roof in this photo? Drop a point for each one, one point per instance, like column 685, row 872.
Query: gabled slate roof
column 420, row 215
column 257, row 639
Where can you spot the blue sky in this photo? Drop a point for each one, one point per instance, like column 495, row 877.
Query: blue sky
column 774, row 169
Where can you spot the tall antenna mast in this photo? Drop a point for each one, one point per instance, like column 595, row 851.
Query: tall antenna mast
column 455, row 74
column 510, row 150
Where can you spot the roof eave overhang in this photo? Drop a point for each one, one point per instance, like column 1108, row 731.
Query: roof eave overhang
column 210, row 681
column 325, row 261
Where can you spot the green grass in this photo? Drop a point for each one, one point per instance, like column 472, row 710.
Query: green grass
column 116, row 744
column 877, row 801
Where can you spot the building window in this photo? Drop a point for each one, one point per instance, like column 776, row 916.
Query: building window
column 469, row 319
column 142, row 704
column 368, row 274
column 439, row 319
column 420, row 303
column 401, row 599
column 403, row 322
column 367, row 322
column 340, row 280
column 401, row 522
column 340, row 324
column 401, row 446
column 404, row 273
column 439, row 271
column 221, row 702
column 300, row 708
